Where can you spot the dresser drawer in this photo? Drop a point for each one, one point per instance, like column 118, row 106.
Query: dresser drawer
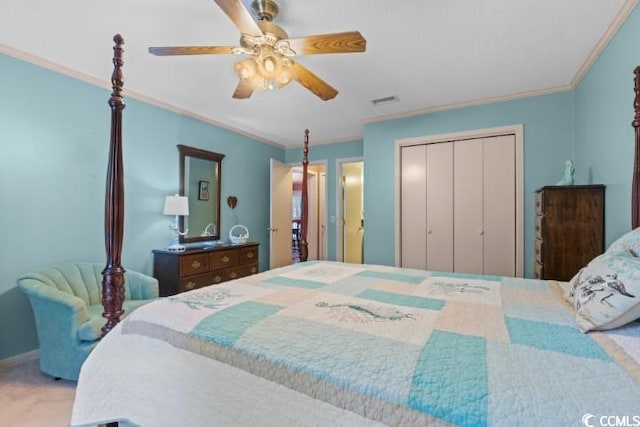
column 223, row 259
column 194, row 264
column 241, row 271
column 539, row 203
column 194, row 268
column 201, row 280
column 248, row 255
column 539, row 251
column 540, row 227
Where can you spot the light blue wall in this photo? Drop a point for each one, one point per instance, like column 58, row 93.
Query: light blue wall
column 604, row 135
column 548, row 141
column 54, row 132
column 329, row 153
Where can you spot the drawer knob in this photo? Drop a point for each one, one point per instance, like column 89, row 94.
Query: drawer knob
column 253, row 270
column 217, row 279
column 196, row 264
column 250, row 255
column 190, row 285
column 233, row 275
column 225, row 259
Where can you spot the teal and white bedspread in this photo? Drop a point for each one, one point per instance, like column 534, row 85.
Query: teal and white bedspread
column 406, row 347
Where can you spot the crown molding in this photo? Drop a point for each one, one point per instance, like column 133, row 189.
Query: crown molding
column 609, row 33
column 106, row 84
column 474, row 103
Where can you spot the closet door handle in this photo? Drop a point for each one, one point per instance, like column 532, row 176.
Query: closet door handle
column 429, row 231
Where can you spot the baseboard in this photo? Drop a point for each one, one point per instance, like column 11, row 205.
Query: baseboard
column 20, row 358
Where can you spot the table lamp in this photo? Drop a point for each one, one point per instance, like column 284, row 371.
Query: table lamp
column 176, row 205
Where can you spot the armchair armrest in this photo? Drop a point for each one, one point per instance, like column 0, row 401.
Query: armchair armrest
column 34, row 289
column 141, row 286
column 56, row 312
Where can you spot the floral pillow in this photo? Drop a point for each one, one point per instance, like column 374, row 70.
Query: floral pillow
column 629, row 242
column 606, row 293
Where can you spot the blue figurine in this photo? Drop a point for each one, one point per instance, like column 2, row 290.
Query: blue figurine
column 567, row 178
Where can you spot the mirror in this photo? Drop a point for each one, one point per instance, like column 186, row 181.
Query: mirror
column 200, row 177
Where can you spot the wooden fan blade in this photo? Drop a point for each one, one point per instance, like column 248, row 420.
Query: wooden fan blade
column 243, row 90
column 348, row 42
column 240, row 16
column 190, row 50
column 312, row 82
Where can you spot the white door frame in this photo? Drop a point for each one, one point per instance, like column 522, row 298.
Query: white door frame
column 322, row 194
column 339, row 207
column 279, row 225
column 323, row 205
column 516, row 130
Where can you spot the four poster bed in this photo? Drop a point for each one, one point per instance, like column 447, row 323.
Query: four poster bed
column 327, row 343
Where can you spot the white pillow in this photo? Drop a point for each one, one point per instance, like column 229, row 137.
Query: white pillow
column 606, row 293
column 629, row 242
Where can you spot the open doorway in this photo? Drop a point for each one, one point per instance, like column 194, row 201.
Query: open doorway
column 350, row 229
column 286, row 196
column 316, row 215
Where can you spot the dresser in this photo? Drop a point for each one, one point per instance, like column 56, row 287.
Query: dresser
column 569, row 229
column 194, row 268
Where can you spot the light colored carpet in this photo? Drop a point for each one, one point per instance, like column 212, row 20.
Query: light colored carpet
column 29, row 398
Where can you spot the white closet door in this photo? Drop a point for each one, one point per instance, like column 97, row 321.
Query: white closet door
column 468, row 196
column 440, row 206
column 499, row 206
column 413, row 206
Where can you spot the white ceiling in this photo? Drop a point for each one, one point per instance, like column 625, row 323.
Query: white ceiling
column 432, row 54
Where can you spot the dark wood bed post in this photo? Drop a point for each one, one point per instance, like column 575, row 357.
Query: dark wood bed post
column 635, row 190
column 304, row 248
column 113, row 273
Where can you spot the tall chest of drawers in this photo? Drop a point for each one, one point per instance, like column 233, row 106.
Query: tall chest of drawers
column 569, row 229
column 194, row 268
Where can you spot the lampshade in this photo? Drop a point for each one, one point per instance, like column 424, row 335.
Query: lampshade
column 176, row 205
column 266, row 70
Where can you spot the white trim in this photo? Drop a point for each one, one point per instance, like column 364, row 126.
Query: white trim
column 473, row 103
column 332, row 141
column 338, row 212
column 611, row 31
column 325, row 169
column 517, row 131
column 11, row 362
column 105, row 84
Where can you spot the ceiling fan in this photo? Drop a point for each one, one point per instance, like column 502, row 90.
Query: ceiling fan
column 269, row 50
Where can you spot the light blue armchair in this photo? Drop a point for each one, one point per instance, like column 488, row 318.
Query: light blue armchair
column 67, row 304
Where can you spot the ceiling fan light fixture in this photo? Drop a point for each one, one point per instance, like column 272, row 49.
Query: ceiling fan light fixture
column 246, row 69
column 269, row 49
column 267, row 71
column 269, row 63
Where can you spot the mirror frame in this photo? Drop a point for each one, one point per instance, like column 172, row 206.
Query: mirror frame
column 186, row 151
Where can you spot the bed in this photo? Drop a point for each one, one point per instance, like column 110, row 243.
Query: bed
column 323, row 343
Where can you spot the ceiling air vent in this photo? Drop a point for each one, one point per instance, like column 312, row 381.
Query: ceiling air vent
column 385, row 100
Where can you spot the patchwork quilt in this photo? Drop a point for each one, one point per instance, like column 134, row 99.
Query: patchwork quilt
column 406, row 347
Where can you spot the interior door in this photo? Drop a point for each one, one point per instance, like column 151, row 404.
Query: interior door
column 352, row 215
column 322, row 247
column 312, row 216
column 440, row 206
column 413, row 210
column 468, row 196
column 499, row 217
column 280, row 215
